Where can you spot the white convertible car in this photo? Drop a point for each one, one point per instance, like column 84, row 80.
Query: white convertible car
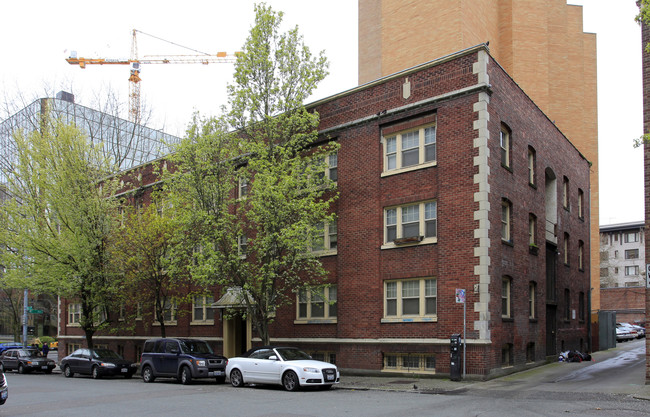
column 286, row 366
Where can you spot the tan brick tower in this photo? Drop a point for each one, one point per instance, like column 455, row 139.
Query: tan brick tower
column 541, row 44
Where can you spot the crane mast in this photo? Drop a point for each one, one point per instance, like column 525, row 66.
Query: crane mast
column 135, row 63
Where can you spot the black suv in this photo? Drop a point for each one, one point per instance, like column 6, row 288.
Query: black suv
column 184, row 359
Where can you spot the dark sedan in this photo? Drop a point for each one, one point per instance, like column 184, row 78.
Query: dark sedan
column 25, row 360
column 97, row 363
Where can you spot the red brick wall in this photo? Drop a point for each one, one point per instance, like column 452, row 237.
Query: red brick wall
column 356, row 120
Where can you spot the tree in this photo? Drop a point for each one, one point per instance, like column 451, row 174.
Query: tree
column 643, row 18
column 142, row 253
column 257, row 238
column 58, row 218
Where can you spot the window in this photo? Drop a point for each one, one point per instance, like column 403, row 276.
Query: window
column 532, row 287
column 632, row 254
column 581, row 306
column 243, row 187
column 567, row 304
column 565, row 193
column 631, row 270
column 415, row 298
column 530, row 352
column 317, row 303
column 581, row 204
column 242, row 245
column 410, row 148
column 332, row 163
column 631, row 237
column 74, row 313
column 202, row 312
column 169, row 312
column 409, row 362
column 532, row 226
column 506, row 286
column 507, row 358
column 581, row 254
column 325, row 237
column 505, row 145
column 566, row 248
column 412, row 223
column 532, row 160
column 632, row 284
column 506, row 220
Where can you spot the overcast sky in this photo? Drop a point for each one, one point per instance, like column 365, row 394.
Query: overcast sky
column 38, row 35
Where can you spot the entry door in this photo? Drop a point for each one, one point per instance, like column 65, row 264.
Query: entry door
column 236, row 336
column 551, row 330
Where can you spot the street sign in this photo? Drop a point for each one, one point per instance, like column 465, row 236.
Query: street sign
column 460, row 296
column 34, row 311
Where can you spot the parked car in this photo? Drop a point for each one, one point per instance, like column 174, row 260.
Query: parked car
column 184, row 359
column 4, row 390
column 9, row 345
column 640, row 331
column 630, row 328
column 97, row 363
column 25, row 360
column 623, row 334
column 286, row 366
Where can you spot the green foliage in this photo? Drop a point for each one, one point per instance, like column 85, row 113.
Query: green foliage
column 59, row 218
column 273, row 150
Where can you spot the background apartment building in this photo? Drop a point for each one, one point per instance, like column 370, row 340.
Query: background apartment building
column 540, row 44
column 622, row 255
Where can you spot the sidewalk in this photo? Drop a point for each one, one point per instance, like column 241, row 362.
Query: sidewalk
column 530, row 379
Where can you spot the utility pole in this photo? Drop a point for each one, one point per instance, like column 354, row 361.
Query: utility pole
column 25, row 318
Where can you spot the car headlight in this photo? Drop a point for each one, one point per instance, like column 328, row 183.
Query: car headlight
column 311, row 370
column 107, row 365
column 200, row 363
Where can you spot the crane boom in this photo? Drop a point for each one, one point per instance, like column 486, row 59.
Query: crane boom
column 134, row 62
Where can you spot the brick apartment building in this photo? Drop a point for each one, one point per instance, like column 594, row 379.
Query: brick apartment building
column 450, row 177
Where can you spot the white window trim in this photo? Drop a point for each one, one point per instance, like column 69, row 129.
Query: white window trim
column 326, row 319
column 421, row 149
column 329, row 167
column 507, row 297
column 206, row 306
column 74, row 309
column 401, row 318
column 327, row 241
column 399, row 367
column 422, row 224
column 174, row 315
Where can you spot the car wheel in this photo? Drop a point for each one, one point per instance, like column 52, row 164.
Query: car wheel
column 67, row 371
column 147, row 374
column 21, row 369
column 290, row 381
column 95, row 372
column 236, row 378
column 186, row 376
column 221, row 379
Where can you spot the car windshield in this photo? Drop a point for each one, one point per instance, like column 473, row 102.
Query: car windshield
column 29, row 353
column 290, row 354
column 195, row 346
column 105, row 354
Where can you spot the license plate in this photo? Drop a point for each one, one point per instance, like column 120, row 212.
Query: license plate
column 217, row 373
column 330, row 377
column 44, row 367
column 124, row 370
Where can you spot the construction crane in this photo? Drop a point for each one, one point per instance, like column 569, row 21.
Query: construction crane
column 134, row 62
